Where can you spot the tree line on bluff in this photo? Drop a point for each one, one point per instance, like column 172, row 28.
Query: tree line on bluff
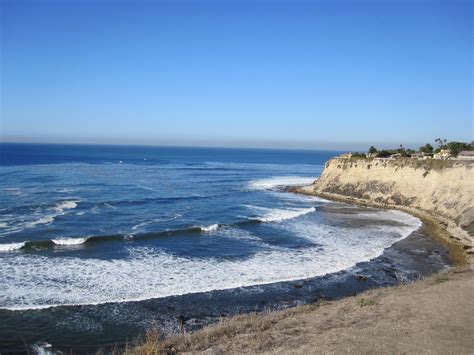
column 453, row 147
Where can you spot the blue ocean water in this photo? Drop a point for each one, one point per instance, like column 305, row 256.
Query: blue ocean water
column 84, row 225
column 95, row 224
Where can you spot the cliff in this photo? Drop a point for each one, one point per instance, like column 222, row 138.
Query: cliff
column 442, row 188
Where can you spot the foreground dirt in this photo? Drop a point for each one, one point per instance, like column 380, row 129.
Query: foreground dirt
column 434, row 316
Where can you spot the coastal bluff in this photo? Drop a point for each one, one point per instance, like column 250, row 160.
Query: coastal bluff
column 442, row 188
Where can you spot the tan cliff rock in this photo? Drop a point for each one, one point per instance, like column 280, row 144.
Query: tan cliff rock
column 442, row 188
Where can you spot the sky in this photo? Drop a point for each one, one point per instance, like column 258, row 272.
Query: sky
column 287, row 74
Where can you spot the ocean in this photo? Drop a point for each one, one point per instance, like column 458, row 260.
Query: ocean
column 99, row 243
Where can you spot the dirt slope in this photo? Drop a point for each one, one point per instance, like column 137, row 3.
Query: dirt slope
column 433, row 316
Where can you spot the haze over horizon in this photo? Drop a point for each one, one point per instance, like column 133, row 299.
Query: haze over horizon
column 269, row 74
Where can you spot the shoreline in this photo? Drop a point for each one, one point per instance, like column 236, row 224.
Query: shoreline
column 441, row 229
column 411, row 258
column 419, row 317
column 232, row 334
column 275, row 297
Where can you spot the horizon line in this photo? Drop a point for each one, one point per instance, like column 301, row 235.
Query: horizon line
column 269, row 145
column 164, row 145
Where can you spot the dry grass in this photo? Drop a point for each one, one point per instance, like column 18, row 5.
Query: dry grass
column 427, row 164
column 430, row 316
column 440, row 279
column 224, row 331
column 363, row 302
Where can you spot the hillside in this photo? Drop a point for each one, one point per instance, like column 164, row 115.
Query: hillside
column 433, row 316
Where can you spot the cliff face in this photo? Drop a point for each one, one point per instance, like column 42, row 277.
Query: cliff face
column 443, row 188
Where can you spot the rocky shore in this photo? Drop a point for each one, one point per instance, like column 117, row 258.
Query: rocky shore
column 440, row 193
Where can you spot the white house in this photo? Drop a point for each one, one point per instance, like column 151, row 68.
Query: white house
column 444, row 154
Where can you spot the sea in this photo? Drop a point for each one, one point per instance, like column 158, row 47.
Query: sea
column 99, row 243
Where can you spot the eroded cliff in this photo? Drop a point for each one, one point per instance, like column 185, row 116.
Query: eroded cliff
column 442, row 188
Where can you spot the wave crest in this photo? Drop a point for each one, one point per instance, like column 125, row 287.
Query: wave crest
column 280, row 181
column 277, row 215
column 210, row 228
column 69, row 241
column 12, row 246
column 65, row 205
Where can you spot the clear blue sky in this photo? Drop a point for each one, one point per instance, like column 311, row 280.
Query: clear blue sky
column 321, row 74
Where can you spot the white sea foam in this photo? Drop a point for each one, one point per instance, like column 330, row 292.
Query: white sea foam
column 11, row 246
column 142, row 224
column 155, row 220
column 389, row 215
column 3, row 225
column 39, row 281
column 301, row 198
column 70, row 241
column 210, row 228
column 39, row 217
column 146, row 187
column 65, row 205
column 277, row 215
column 279, row 181
column 66, row 190
column 16, row 191
column 42, row 348
column 40, row 220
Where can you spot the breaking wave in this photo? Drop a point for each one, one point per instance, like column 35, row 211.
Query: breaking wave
column 12, row 246
column 38, row 281
column 270, row 215
column 210, row 228
column 65, row 205
column 69, row 241
column 277, row 215
column 279, row 181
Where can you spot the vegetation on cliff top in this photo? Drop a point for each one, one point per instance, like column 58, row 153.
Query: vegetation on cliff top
column 453, row 147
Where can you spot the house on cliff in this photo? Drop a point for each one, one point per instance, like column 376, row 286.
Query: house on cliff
column 423, row 156
column 444, row 154
column 466, row 155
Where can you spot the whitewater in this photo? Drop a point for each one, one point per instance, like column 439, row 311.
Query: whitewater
column 100, row 243
column 79, row 233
